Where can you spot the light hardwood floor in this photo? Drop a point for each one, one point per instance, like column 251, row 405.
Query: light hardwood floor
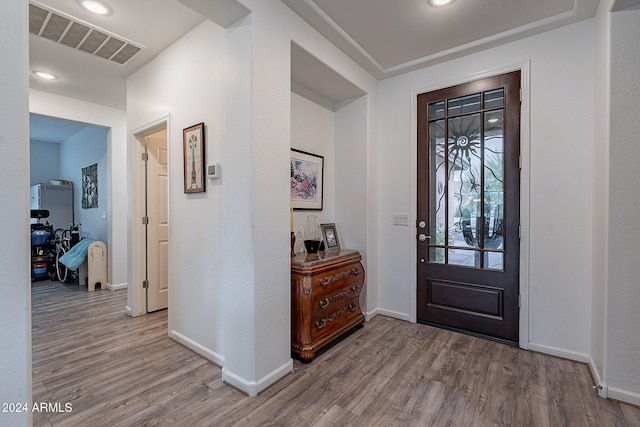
column 120, row 371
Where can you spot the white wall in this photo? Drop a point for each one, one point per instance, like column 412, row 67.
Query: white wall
column 561, row 105
column 44, row 163
column 313, row 130
column 623, row 290
column 52, row 105
column 15, row 304
column 86, row 148
column 185, row 82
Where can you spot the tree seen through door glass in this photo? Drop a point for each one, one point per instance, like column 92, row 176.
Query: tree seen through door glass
column 467, row 184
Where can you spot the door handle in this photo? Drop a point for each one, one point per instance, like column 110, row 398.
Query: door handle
column 422, row 237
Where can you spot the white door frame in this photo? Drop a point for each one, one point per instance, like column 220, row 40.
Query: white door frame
column 136, row 296
column 525, row 153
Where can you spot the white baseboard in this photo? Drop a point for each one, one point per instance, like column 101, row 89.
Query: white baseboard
column 389, row 313
column 559, row 352
column 623, row 395
column 115, row 287
column 203, row 351
column 602, row 387
column 612, row 392
column 371, row 314
column 252, row 388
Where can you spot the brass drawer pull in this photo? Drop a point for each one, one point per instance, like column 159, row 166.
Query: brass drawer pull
column 326, row 320
column 344, row 294
column 355, row 271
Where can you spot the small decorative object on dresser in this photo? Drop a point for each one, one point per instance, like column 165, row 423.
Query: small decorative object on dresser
column 330, row 237
column 325, row 299
column 312, row 234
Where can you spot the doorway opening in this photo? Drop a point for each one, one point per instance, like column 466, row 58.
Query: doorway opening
column 70, row 181
column 150, row 234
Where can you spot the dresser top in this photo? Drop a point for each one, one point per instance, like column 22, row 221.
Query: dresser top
column 306, row 261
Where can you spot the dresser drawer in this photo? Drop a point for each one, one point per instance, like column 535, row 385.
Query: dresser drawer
column 330, row 302
column 328, row 321
column 329, row 282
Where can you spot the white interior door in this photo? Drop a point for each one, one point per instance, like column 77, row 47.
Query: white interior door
column 158, row 222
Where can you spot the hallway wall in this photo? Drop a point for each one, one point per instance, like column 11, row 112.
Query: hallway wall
column 44, row 161
column 623, row 285
column 86, row 148
column 164, row 88
column 15, row 304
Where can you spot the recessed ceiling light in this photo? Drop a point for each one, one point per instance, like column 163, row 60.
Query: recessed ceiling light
column 438, row 3
column 45, row 75
column 493, row 120
column 96, row 6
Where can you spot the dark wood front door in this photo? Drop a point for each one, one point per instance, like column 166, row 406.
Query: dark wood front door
column 469, row 207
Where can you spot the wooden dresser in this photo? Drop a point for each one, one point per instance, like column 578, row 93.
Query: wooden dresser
column 325, row 299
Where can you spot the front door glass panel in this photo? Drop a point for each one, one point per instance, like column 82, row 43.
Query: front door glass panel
column 466, row 187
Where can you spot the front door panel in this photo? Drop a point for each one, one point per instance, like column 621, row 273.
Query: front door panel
column 469, row 206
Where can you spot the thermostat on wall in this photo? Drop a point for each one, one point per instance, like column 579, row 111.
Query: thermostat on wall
column 213, row 171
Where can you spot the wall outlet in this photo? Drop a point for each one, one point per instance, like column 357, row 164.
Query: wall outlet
column 401, row 219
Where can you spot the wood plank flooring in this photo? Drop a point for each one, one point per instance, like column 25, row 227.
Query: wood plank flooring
column 120, row 371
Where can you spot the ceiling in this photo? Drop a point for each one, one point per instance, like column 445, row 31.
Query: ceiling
column 385, row 37
column 152, row 25
column 53, row 130
column 388, row 38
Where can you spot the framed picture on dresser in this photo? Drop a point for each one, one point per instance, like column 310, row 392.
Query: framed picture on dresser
column 330, row 237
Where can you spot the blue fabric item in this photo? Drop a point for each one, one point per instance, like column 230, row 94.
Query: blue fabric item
column 77, row 254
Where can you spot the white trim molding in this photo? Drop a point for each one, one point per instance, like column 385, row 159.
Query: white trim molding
column 601, row 386
column 389, row 313
column 623, row 395
column 252, row 388
column 203, row 351
column 117, row 287
column 559, row 352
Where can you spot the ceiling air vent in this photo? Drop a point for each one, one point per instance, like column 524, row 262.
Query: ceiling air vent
column 60, row 28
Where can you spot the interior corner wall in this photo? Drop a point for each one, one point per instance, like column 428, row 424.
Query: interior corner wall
column 600, row 191
column 351, row 174
column 561, row 179
column 83, row 149
column 270, row 156
column 44, row 161
column 49, row 104
column 185, row 83
column 313, row 130
column 237, row 260
column 623, row 293
column 15, row 304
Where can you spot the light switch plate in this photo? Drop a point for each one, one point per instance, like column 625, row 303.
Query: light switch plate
column 401, row 219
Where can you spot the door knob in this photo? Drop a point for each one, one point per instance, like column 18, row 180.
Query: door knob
column 422, row 237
